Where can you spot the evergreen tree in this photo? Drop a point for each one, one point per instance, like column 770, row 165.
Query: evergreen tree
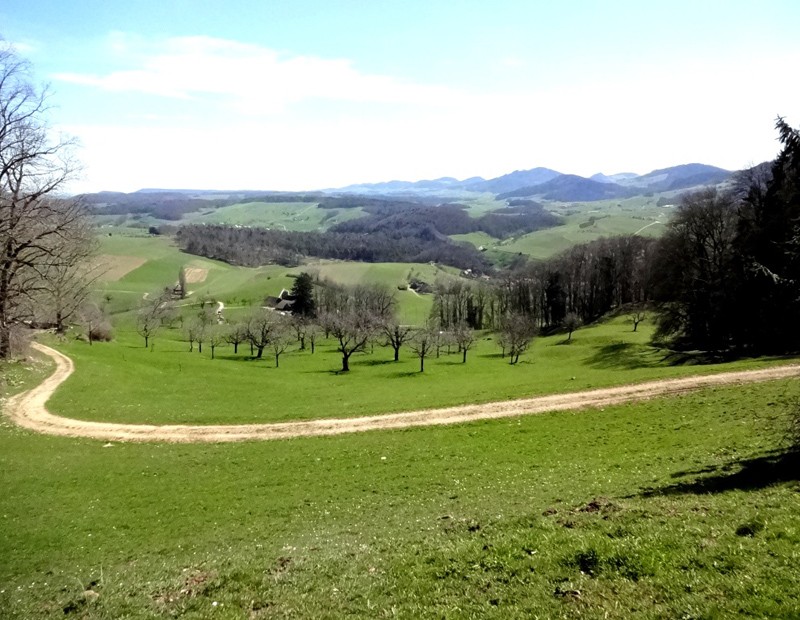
column 303, row 294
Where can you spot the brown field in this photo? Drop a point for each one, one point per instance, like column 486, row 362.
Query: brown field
column 115, row 267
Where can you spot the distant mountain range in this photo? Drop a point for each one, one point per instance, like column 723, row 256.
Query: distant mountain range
column 553, row 185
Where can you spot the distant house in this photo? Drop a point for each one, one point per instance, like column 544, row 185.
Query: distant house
column 283, row 304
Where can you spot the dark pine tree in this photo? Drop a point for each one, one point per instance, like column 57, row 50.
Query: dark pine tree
column 303, row 294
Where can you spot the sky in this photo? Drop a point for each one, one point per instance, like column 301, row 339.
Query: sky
column 314, row 94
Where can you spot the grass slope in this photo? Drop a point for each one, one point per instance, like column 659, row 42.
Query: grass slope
column 244, row 286
column 674, row 508
column 169, row 385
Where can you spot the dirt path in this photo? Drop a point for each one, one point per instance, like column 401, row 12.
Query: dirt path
column 28, row 410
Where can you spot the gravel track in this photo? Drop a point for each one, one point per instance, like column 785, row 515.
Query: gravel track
column 29, row 411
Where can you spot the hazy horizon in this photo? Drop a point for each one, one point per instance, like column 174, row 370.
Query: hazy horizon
column 313, row 96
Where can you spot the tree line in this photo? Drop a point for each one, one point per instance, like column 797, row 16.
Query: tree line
column 252, row 247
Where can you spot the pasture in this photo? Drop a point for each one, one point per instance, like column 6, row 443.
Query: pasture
column 681, row 507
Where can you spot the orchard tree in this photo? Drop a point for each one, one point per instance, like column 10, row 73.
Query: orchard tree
column 395, row 335
column 464, row 336
column 424, row 342
column 516, row 334
column 352, row 331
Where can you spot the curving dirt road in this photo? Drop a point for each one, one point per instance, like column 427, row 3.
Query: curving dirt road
column 28, row 410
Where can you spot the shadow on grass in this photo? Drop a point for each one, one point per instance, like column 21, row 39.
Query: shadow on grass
column 407, row 373
column 622, row 355
column 377, row 362
column 751, row 474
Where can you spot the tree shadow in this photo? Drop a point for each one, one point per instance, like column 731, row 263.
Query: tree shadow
column 774, row 467
column 377, row 362
column 621, row 355
column 406, row 373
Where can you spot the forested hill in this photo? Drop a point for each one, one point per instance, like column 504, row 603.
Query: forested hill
column 252, row 247
column 519, row 217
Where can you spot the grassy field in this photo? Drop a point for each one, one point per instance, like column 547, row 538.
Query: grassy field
column 583, row 222
column 242, row 286
column 167, row 384
column 299, row 216
column 679, row 508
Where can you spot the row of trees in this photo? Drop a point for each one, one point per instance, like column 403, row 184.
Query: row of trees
column 582, row 284
column 728, row 276
column 355, row 318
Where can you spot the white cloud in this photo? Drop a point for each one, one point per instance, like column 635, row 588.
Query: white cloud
column 252, row 78
column 276, row 121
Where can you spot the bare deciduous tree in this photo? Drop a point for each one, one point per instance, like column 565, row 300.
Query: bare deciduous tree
column 236, row 335
column 281, row 340
column 150, row 316
column 261, row 326
column 351, row 329
column 34, row 223
column 395, row 335
column 516, row 334
column 424, row 342
column 571, row 322
column 464, row 336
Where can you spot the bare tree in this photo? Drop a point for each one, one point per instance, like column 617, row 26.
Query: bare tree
column 150, row 316
column 95, row 322
column 312, row 333
column 571, row 322
column 395, row 335
column 424, row 342
column 516, row 334
column 464, row 337
column 216, row 336
column 351, row 329
column 299, row 324
column 33, row 168
column 236, row 335
column 281, row 340
column 636, row 317
column 261, row 326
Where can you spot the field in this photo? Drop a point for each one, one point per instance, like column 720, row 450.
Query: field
column 300, row 216
column 682, row 507
column 240, row 287
column 671, row 508
column 583, row 222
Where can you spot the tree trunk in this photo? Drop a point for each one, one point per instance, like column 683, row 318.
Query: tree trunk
column 464, row 360
column 396, row 354
column 5, row 331
column 422, row 364
column 146, row 341
column 302, row 343
column 235, row 348
column 212, row 351
column 260, row 352
column 277, row 355
column 345, row 363
column 312, row 347
column 199, row 347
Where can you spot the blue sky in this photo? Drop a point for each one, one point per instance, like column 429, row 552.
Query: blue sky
column 312, row 94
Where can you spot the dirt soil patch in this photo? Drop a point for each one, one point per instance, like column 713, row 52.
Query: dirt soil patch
column 28, row 410
column 195, row 275
column 116, row 267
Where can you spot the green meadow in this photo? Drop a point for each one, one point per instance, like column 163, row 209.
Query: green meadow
column 673, row 508
column 583, row 222
column 682, row 507
column 166, row 384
